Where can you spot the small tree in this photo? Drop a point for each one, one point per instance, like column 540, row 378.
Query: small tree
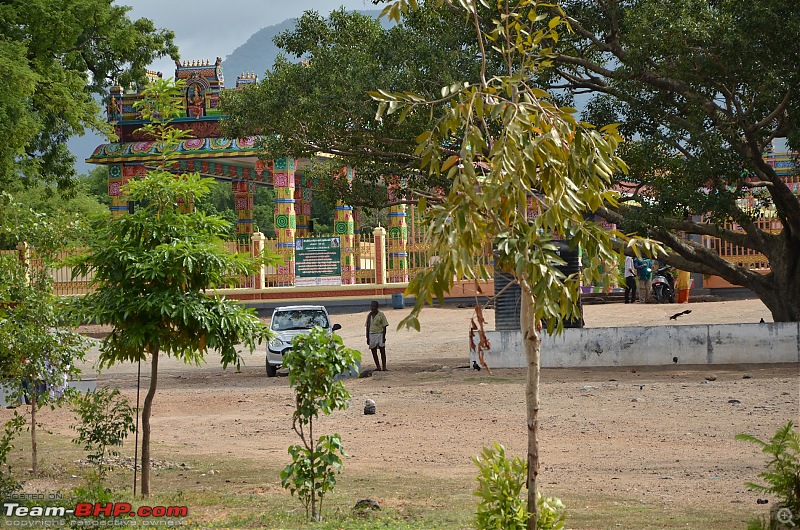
column 106, row 419
column 513, row 144
column 314, row 362
column 38, row 350
column 154, row 270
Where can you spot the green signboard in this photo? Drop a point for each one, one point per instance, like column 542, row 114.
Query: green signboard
column 317, row 261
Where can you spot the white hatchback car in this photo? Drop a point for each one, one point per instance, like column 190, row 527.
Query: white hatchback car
column 287, row 323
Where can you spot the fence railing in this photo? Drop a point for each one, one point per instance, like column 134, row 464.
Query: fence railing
column 360, row 264
column 744, row 256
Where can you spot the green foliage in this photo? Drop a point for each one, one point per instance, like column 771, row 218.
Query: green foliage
column 552, row 513
column 40, row 211
column 313, row 362
column 514, row 142
column 8, row 484
column 154, row 269
column 782, row 476
column 55, row 57
column 106, row 419
column 500, row 485
column 701, row 95
column 94, row 490
column 327, row 92
column 499, row 142
column 312, row 473
column 36, row 346
column 38, row 350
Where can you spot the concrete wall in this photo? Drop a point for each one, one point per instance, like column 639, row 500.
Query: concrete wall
column 651, row 346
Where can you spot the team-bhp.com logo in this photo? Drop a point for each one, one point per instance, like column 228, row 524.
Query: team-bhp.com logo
column 89, row 509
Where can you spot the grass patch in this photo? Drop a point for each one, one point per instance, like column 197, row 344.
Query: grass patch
column 229, row 492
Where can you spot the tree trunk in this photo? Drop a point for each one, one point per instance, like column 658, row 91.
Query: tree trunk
column 781, row 290
column 314, row 514
column 781, row 303
column 533, row 341
column 34, row 447
column 148, row 407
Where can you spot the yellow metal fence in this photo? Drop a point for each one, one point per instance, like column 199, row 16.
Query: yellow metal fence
column 366, row 263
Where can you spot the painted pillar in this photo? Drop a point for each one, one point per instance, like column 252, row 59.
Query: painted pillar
column 244, row 193
column 118, row 176
column 343, row 226
column 397, row 243
column 302, row 205
column 285, row 218
column 119, row 203
column 257, row 249
column 380, row 253
column 357, row 239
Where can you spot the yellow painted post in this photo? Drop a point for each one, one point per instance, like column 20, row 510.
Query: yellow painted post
column 285, row 217
column 258, row 248
column 380, row 255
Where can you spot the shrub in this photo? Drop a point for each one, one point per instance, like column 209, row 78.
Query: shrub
column 8, row 484
column 782, row 475
column 105, row 419
column 500, row 485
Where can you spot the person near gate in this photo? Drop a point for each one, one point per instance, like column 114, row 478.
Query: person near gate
column 630, row 280
column 683, row 285
column 644, row 270
column 376, row 334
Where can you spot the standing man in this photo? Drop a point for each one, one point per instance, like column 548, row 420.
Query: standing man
column 630, row 280
column 376, row 334
column 644, row 269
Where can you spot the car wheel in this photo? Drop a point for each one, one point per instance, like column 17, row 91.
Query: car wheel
column 272, row 371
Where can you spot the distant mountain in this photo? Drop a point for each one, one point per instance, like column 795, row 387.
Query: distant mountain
column 256, row 55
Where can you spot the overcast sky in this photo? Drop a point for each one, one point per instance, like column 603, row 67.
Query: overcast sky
column 206, row 29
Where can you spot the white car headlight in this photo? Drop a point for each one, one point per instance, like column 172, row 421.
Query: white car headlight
column 276, row 343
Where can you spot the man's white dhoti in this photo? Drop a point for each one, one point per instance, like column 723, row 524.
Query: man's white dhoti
column 376, row 341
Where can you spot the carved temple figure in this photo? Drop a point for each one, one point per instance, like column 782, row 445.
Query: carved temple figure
column 196, row 101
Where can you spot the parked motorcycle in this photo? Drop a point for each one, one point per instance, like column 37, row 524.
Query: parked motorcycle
column 664, row 285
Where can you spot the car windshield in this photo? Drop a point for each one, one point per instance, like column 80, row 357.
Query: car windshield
column 299, row 319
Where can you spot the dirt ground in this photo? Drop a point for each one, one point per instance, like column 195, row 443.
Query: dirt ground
column 656, row 435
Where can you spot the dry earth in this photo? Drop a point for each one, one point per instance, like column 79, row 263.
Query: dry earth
column 663, row 436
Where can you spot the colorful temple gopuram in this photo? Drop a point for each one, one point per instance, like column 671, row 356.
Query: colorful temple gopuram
column 234, row 160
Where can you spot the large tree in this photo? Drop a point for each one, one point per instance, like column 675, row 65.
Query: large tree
column 314, row 100
column 57, row 57
column 704, row 87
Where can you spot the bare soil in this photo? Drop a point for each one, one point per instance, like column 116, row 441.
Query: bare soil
column 663, row 436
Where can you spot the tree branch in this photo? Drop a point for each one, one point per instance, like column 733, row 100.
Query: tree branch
column 742, row 239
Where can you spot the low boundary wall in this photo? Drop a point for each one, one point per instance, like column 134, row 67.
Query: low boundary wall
column 777, row 342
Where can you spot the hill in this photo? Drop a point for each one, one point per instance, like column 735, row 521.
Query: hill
column 258, row 53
